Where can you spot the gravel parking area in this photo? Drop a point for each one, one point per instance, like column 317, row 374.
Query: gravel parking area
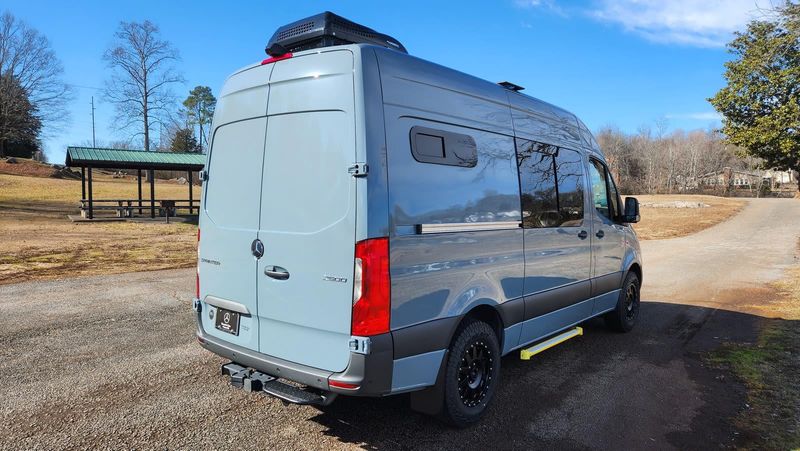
column 94, row 361
column 111, row 362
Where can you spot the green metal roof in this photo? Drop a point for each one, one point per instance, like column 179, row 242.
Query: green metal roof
column 133, row 159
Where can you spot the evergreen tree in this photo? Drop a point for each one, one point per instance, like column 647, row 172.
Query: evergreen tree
column 761, row 102
column 20, row 124
column 184, row 141
column 200, row 110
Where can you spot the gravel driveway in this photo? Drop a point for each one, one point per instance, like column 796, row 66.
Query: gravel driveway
column 111, row 362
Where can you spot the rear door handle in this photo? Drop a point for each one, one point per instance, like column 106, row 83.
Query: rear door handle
column 276, row 272
column 583, row 234
column 600, row 234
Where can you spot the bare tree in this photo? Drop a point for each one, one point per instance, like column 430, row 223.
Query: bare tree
column 654, row 161
column 27, row 62
column 143, row 73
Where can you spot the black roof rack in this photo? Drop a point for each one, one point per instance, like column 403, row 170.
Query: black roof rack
column 324, row 30
column 511, row 86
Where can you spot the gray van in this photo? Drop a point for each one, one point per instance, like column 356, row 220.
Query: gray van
column 374, row 224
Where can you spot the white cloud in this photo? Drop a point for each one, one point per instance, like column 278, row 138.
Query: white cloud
column 532, row 3
column 550, row 5
column 701, row 116
column 702, row 23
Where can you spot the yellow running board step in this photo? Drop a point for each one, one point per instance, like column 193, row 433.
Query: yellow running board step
column 526, row 354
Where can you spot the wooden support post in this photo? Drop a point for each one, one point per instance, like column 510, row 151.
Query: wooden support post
column 139, row 180
column 83, row 183
column 152, row 193
column 191, row 206
column 91, row 204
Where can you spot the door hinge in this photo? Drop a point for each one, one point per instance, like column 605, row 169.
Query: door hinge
column 358, row 170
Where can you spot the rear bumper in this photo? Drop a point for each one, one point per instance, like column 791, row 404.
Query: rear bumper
column 372, row 372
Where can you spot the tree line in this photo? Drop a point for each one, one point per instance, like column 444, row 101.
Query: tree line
column 143, row 73
column 656, row 161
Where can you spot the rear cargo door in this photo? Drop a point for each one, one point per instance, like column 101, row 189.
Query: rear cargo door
column 307, row 223
column 229, row 226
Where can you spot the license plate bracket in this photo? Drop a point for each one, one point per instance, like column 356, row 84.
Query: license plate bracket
column 227, row 321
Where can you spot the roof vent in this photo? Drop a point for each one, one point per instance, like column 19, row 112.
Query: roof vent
column 511, row 86
column 325, row 30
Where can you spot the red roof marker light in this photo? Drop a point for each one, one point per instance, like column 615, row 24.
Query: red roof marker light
column 285, row 56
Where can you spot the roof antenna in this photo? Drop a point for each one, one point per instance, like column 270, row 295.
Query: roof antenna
column 511, row 86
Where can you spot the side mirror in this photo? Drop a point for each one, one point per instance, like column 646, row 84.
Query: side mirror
column 631, row 214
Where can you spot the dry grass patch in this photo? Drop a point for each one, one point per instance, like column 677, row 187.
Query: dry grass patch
column 19, row 190
column 786, row 302
column 26, row 167
column 39, row 242
column 661, row 223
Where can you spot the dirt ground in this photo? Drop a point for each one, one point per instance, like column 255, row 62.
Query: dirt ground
column 26, row 167
column 40, row 242
column 111, row 361
column 661, row 223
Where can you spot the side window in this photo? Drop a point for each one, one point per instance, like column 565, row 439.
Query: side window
column 604, row 192
column 597, row 175
column 539, row 196
column 430, row 145
column 613, row 196
column 551, row 181
column 569, row 173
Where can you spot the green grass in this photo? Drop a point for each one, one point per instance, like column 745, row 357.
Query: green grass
column 770, row 369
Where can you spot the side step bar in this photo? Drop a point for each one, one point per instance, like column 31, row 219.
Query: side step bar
column 526, row 354
column 255, row 381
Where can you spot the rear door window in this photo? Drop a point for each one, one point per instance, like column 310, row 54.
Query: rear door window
column 233, row 191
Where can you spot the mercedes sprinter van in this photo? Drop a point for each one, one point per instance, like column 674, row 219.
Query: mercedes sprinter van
column 375, row 224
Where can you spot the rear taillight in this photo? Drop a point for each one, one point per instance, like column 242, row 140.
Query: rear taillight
column 197, row 284
column 343, row 385
column 371, row 289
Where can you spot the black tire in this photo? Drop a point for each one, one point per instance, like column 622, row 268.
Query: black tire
column 471, row 375
column 623, row 318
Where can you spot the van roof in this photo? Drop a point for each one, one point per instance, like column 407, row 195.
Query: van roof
column 478, row 87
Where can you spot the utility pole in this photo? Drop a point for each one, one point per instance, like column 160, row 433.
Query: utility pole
column 94, row 144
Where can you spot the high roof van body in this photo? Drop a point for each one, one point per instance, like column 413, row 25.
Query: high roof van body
column 374, row 224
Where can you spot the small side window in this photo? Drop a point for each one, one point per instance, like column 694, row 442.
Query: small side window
column 613, row 196
column 429, row 145
column 604, row 191
column 597, row 177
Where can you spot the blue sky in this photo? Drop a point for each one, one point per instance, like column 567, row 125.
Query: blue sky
column 622, row 62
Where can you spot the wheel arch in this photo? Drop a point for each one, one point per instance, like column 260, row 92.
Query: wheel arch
column 636, row 268
column 486, row 313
